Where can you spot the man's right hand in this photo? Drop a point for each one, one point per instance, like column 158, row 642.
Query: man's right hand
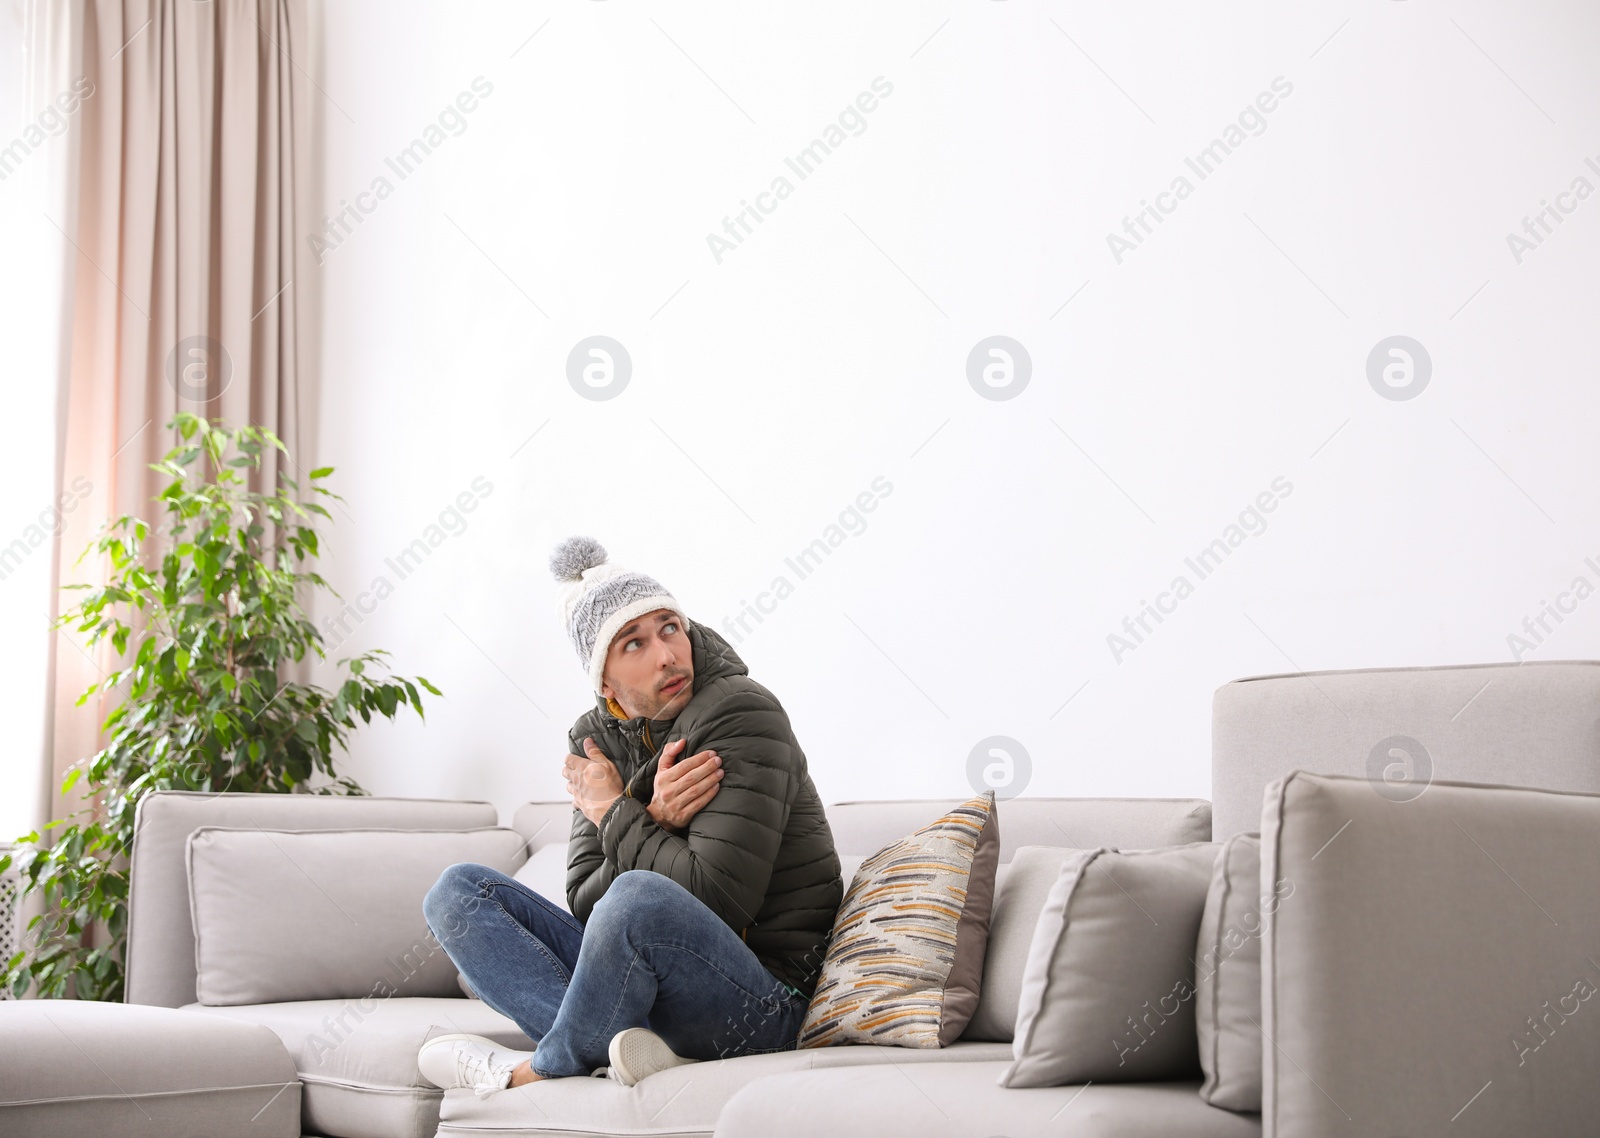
column 683, row 789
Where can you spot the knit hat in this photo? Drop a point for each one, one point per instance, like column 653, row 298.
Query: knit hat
column 599, row 598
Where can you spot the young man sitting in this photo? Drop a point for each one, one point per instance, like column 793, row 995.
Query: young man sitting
column 702, row 890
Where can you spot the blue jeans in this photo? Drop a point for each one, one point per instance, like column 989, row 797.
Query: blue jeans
column 652, row 955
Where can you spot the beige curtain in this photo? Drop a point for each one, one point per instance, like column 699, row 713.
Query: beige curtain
column 186, row 219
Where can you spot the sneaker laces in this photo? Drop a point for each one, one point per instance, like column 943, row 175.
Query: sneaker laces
column 485, row 1077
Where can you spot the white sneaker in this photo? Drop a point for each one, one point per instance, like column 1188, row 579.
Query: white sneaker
column 451, row 1061
column 638, row 1053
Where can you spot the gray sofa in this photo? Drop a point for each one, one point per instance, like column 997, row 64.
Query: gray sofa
column 1433, row 920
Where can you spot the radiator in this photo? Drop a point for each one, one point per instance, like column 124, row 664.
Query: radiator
column 10, row 918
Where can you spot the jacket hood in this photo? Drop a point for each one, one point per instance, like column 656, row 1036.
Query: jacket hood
column 713, row 658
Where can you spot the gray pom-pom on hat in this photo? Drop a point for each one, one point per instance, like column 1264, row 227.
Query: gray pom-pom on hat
column 575, row 555
column 600, row 597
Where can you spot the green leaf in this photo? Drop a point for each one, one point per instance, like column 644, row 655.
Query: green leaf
column 216, row 592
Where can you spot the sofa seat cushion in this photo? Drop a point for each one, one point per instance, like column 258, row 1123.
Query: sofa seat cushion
column 683, row 1102
column 964, row 1100
column 357, row 1059
column 73, row 1067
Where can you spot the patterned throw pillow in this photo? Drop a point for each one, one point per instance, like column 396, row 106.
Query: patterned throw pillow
column 905, row 960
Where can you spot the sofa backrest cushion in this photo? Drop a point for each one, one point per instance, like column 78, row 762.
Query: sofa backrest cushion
column 1021, row 887
column 544, row 823
column 1524, row 724
column 160, row 946
column 284, row 915
column 545, row 872
column 861, row 828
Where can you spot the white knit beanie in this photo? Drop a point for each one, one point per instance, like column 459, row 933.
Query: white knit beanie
column 599, row 598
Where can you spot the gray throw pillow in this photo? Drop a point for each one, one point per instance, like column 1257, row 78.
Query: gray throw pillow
column 1228, row 975
column 1108, row 990
column 284, row 915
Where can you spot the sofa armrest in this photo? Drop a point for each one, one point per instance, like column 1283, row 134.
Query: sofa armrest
column 1431, row 970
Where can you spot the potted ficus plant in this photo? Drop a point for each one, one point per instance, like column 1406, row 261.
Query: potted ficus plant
column 205, row 615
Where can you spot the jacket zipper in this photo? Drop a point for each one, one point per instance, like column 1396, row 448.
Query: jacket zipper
column 644, row 737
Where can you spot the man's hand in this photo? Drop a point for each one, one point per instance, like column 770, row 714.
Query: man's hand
column 592, row 780
column 682, row 789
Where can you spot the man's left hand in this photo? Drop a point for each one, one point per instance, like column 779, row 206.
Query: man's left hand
column 593, row 781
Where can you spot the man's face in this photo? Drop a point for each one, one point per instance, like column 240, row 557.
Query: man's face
column 650, row 666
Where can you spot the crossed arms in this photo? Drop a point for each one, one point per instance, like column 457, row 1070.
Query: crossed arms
column 715, row 821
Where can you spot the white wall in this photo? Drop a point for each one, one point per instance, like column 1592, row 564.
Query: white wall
column 1170, row 386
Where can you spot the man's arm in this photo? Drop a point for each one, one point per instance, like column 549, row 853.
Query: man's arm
column 588, row 875
column 725, row 856
column 681, row 790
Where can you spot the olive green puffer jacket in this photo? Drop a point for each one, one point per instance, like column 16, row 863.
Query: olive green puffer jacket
column 760, row 854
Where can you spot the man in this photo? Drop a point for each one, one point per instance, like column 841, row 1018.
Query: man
column 702, row 890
